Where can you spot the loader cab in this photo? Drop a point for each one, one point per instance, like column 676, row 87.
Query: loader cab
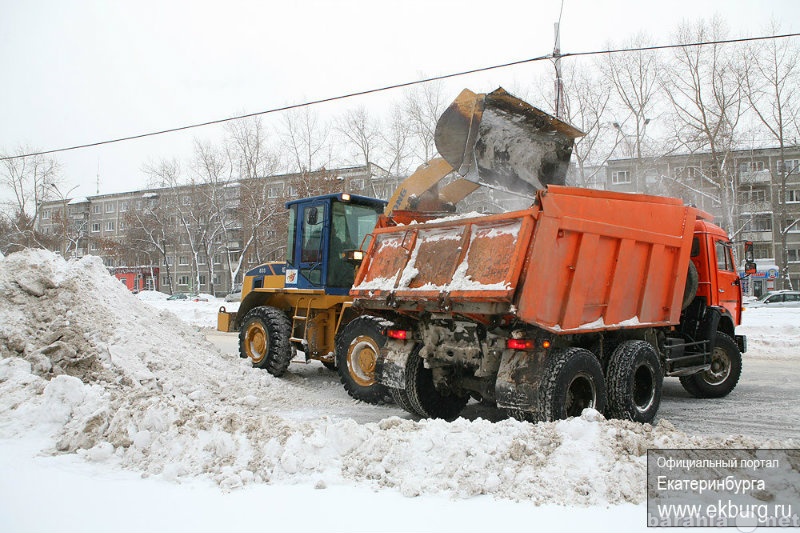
column 322, row 229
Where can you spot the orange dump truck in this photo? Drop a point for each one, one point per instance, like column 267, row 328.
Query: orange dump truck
column 587, row 299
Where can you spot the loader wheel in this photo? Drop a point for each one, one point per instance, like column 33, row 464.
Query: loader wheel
column 328, row 365
column 264, row 338
column 633, row 380
column 423, row 397
column 357, row 349
column 573, row 381
column 722, row 377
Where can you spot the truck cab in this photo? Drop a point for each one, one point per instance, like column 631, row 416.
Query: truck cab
column 719, row 284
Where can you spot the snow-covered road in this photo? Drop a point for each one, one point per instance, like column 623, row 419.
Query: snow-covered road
column 104, row 394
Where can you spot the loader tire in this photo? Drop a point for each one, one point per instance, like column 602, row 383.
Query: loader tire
column 690, row 290
column 573, row 381
column 722, row 377
column 264, row 338
column 634, row 380
column 423, row 397
column 357, row 349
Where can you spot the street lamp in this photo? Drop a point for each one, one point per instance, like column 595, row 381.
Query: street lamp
column 639, row 135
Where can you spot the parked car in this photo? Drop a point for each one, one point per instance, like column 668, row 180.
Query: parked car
column 783, row 298
column 234, row 296
column 188, row 297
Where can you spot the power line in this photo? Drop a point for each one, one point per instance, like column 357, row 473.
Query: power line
column 395, row 86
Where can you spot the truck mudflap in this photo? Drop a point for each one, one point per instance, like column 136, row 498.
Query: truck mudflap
column 519, row 381
column 390, row 367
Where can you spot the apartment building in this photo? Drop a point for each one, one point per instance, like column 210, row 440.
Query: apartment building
column 762, row 204
column 196, row 237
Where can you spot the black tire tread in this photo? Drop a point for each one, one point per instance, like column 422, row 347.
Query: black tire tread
column 549, row 400
column 423, row 398
column 374, row 394
column 699, row 388
column 278, row 329
column 619, row 381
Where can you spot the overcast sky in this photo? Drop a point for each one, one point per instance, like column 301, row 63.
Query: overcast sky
column 77, row 72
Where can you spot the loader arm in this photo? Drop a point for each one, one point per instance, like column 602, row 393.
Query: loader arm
column 420, row 191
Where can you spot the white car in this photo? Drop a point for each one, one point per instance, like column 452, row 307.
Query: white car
column 777, row 299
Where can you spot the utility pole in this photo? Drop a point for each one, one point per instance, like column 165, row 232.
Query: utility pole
column 559, row 84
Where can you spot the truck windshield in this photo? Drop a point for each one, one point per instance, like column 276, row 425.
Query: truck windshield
column 350, row 224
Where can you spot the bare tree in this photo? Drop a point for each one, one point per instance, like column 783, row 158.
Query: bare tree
column 305, row 139
column 703, row 85
column 29, row 181
column 772, row 85
column 633, row 80
column 361, row 133
column 396, row 144
column 424, row 104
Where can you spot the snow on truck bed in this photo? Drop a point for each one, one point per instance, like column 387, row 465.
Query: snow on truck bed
column 100, row 374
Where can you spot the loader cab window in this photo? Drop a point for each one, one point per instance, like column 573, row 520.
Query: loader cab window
column 724, row 257
column 350, row 224
column 290, row 256
column 312, row 240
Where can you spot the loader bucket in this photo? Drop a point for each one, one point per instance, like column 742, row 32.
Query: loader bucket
column 501, row 142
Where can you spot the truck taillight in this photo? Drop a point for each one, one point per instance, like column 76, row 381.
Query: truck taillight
column 526, row 344
column 398, row 334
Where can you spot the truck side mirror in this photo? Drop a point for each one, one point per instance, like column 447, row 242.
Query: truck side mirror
column 750, row 267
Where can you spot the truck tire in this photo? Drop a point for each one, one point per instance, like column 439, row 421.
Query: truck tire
column 264, row 338
column 722, row 377
column 400, row 397
column 357, row 349
column 634, row 380
column 423, row 397
column 573, row 381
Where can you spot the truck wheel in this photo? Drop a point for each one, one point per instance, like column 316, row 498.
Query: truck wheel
column 425, row 400
column 573, row 381
column 400, row 397
column 633, row 381
column 722, row 377
column 357, row 349
column 264, row 338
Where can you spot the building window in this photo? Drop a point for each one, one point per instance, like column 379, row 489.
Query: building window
column 202, row 279
column 620, row 177
column 292, row 191
column 95, row 227
column 759, row 223
column 108, row 261
column 215, row 279
column 751, row 166
column 110, row 225
column 217, row 259
column 96, row 209
column 123, row 206
column 183, row 280
column 273, row 192
column 183, row 260
column 93, row 246
column 762, row 250
column 791, row 165
column 753, row 196
column 168, row 260
column 793, row 196
column 793, row 255
column 46, row 214
column 792, row 225
column 110, row 207
column 186, row 200
column 121, row 226
column 138, row 204
column 201, row 260
column 357, row 184
column 165, row 280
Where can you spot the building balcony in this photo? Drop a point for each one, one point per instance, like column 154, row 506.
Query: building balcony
column 755, row 208
column 756, row 176
column 757, row 236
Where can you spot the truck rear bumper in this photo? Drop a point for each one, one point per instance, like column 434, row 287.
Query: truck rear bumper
column 741, row 342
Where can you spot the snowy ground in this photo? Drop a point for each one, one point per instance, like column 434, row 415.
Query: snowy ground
column 117, row 415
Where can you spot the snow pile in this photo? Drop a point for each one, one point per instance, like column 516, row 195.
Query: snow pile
column 96, row 372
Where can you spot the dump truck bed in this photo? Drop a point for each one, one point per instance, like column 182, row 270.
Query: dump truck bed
column 579, row 260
